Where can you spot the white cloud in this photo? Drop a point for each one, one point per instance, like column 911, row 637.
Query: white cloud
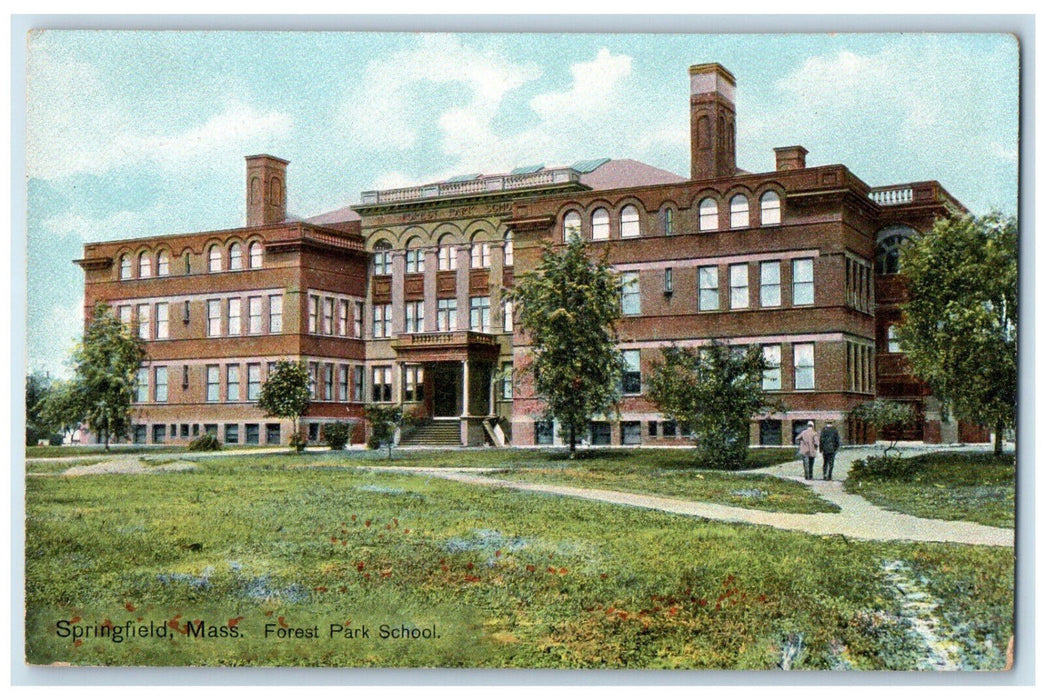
column 118, row 224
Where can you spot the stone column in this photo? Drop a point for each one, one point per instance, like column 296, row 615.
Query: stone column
column 462, row 286
column 464, row 388
column 431, row 263
column 399, row 264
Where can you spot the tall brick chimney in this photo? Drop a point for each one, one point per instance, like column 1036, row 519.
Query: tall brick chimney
column 266, row 190
column 712, row 122
column 791, row 157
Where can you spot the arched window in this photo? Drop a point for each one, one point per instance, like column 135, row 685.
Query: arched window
column 145, row 265
column 739, row 211
column 446, row 256
column 214, row 259
column 629, row 222
column 254, row 255
column 125, row 267
column 382, row 258
column 668, row 222
column 235, row 257
column 509, row 254
column 600, row 225
column 888, row 249
column 571, row 226
column 480, row 254
column 770, row 209
column 415, row 257
column 708, row 212
column 163, row 264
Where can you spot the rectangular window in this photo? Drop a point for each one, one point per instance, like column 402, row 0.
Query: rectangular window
column 544, row 432
column 234, row 317
column 253, row 381
column 600, row 431
column 343, row 318
column 770, row 283
column 802, row 281
column 381, row 384
column 343, row 384
column 803, row 359
column 275, row 313
column 769, row 432
column 328, row 382
column 668, row 280
column 739, row 286
column 254, row 315
column 708, row 288
column 313, row 371
column 357, row 320
column 125, row 315
column 413, row 383
column 159, row 434
column 213, row 383
column 141, row 386
column 143, row 321
column 185, row 311
column 447, row 257
column 214, row 318
column 508, row 316
column 414, row 321
column 160, row 377
column 382, row 320
column 631, row 432
column 630, row 293
column 140, row 433
column 232, row 382
column 415, row 261
column 250, row 434
column 772, row 374
column 314, row 312
column 358, row 381
column 328, row 316
column 631, row 377
column 446, row 314
column 479, row 314
column 232, row 434
column 272, row 433
column 506, row 380
column 162, row 326
column 480, row 255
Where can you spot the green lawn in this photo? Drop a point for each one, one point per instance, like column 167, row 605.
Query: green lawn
column 505, row 578
column 972, row 486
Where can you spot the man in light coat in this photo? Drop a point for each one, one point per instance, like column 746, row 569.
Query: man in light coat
column 829, row 446
column 808, row 444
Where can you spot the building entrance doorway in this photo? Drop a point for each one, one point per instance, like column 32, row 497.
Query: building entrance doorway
column 446, row 390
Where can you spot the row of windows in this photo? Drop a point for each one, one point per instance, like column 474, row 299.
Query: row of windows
column 446, row 255
column 221, row 383
column 446, row 316
column 859, row 372
column 859, row 294
column 708, row 218
column 219, row 258
column 235, row 323
column 631, row 432
column 231, row 432
column 330, row 316
column 708, row 287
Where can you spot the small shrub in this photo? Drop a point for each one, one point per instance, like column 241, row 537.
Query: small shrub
column 373, row 442
column 336, row 435
column 208, row 442
column 298, row 442
column 880, row 468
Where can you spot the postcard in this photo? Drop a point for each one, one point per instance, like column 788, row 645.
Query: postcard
column 514, row 350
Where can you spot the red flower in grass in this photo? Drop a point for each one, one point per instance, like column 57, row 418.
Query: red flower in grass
column 76, row 619
column 233, row 621
column 354, row 518
column 469, row 578
column 78, row 642
column 360, row 566
column 406, row 531
column 531, row 568
column 386, row 574
column 470, row 566
column 366, row 523
column 333, row 539
column 388, row 526
column 344, row 542
column 602, row 576
column 283, row 623
column 107, row 623
column 761, row 598
column 497, row 553
column 552, row 569
column 367, row 576
column 129, row 607
column 444, row 567
column 702, row 603
column 320, row 589
column 396, row 522
column 562, row 569
column 343, row 589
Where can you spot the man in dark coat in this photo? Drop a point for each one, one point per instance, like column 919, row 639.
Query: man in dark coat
column 829, row 446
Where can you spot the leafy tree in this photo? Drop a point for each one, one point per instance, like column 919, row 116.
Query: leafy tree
column 286, row 394
column 106, row 363
column 882, row 414
column 384, row 421
column 568, row 307
column 61, row 409
column 717, row 390
column 960, row 322
column 37, row 387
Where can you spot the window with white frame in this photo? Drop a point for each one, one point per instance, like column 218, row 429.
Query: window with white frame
column 631, row 377
column 382, row 258
column 143, row 321
column 770, row 283
column 770, row 209
column 668, row 221
column 343, row 384
column 600, row 225
column 382, row 316
column 145, row 266
column 739, row 211
column 254, row 315
column 359, row 380
column 629, row 222
column 708, row 288
column 414, row 317
column 571, row 226
column 125, row 315
column 328, row 382
column 214, row 258
column 803, row 359
column 343, row 318
column 479, row 314
column 772, row 372
column 328, row 316
column 160, row 379
column 314, row 313
column 141, row 386
column 162, row 325
column 357, row 319
column 314, row 369
column 125, row 267
column 413, row 383
column 253, row 381
column 415, row 258
column 381, row 384
column 506, row 380
column 508, row 318
column 739, row 286
column 446, row 314
column 708, row 215
column 446, row 255
column 802, row 281
column 214, row 318
column 275, row 313
column 509, row 253
column 235, row 257
column 213, row 383
column 630, row 293
column 254, row 255
column 163, row 264
column 480, row 254
column 893, row 339
column 234, row 317
column 232, row 382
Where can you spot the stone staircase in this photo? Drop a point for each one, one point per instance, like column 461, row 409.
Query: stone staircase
column 442, row 433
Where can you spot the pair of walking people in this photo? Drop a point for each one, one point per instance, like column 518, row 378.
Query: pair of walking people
column 810, row 442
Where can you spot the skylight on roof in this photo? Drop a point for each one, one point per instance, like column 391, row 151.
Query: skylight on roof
column 527, row 169
column 464, row 178
column 587, row 166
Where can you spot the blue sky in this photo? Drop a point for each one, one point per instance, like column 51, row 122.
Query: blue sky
column 143, row 133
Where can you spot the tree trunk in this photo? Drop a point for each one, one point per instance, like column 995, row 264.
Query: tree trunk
column 999, row 427
column 573, row 442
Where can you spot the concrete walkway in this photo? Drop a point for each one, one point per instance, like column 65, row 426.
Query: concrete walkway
column 857, row 517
